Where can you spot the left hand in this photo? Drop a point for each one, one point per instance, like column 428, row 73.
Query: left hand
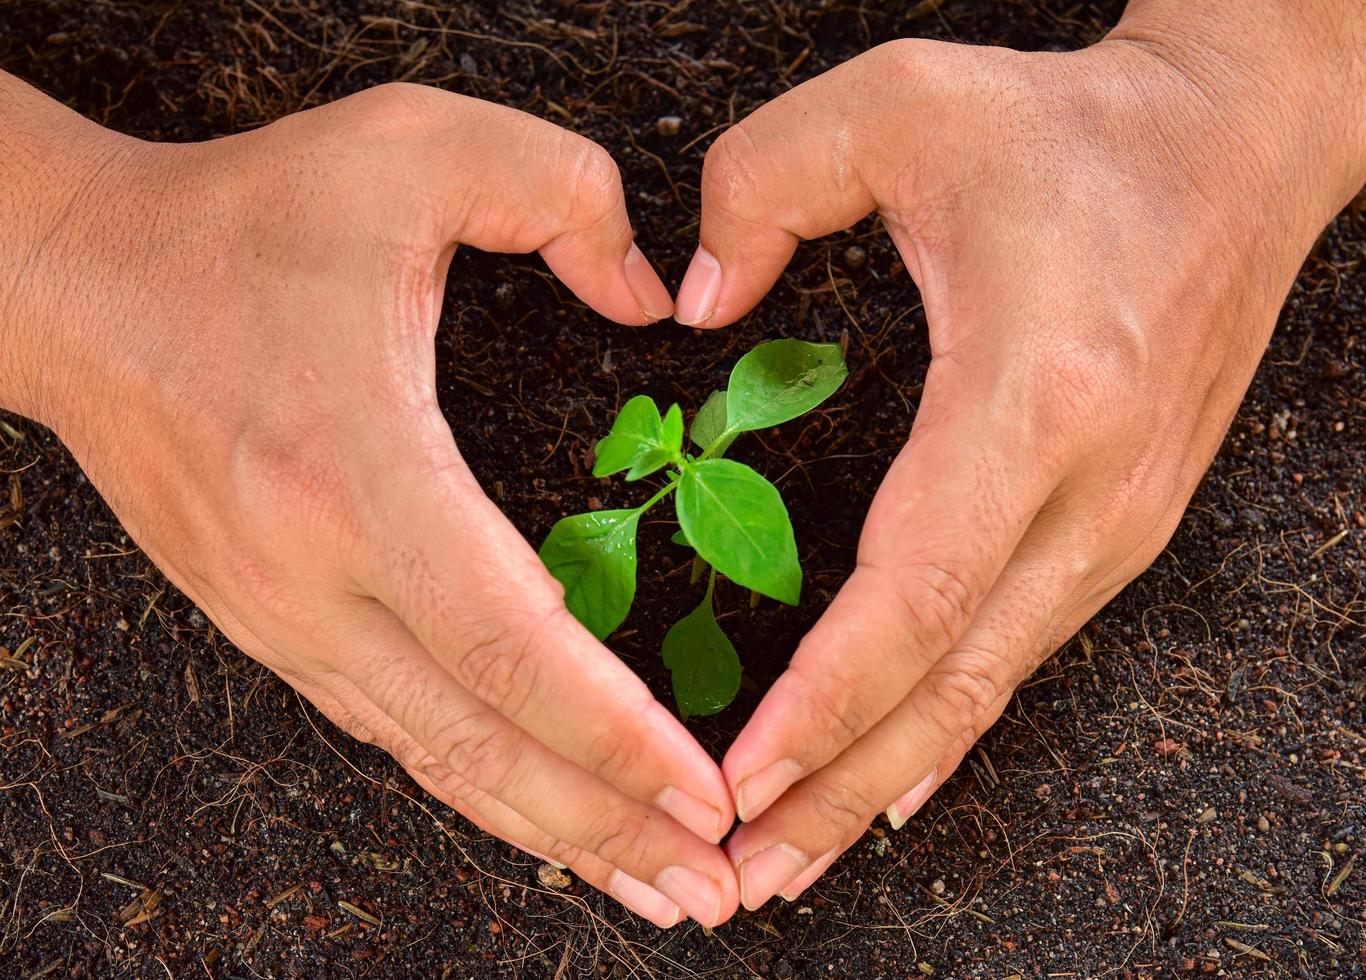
column 1102, row 241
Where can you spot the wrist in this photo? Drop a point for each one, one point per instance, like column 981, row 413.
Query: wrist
column 56, row 187
column 1288, row 76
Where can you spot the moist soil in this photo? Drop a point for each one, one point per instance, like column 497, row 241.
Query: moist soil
column 1181, row 790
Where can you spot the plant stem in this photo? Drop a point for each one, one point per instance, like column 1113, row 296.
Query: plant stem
column 719, row 440
column 663, row 492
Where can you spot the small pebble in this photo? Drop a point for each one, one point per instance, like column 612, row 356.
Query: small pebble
column 1263, row 824
column 668, row 125
column 553, row 877
column 855, row 257
column 937, row 886
column 122, row 624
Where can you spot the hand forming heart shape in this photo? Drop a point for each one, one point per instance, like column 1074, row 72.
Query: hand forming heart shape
column 245, row 369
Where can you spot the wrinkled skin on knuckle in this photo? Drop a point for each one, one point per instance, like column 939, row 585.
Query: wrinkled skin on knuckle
column 1079, row 387
column 339, row 714
column 937, row 600
column 965, row 689
column 480, row 749
column 830, row 700
column 613, row 754
column 732, row 172
column 617, row 833
column 595, row 179
column 842, row 804
column 500, row 662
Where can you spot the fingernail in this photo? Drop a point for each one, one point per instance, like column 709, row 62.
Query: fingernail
column 771, row 869
column 646, row 287
column 695, row 893
column 701, row 285
column 755, row 794
column 808, row 877
column 643, row 900
column 702, row 819
column 903, row 809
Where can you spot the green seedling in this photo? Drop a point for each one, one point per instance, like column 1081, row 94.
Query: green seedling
column 732, row 517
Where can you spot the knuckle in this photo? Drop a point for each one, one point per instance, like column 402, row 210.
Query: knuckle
column 842, row 805
column 936, row 599
column 288, row 482
column 731, row 170
column 610, row 756
column 900, row 56
column 595, row 178
column 480, row 754
column 833, row 705
column 499, row 665
column 396, row 105
column 562, row 851
column 619, row 836
column 349, row 722
column 958, row 749
column 965, row 695
column 1080, row 379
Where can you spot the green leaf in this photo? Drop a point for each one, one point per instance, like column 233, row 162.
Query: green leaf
column 594, row 558
column 709, row 425
column 640, row 441
column 702, row 661
column 780, row 380
column 678, row 537
column 668, row 450
column 737, row 522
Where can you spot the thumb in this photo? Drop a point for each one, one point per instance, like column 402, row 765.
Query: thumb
column 812, row 162
column 506, row 181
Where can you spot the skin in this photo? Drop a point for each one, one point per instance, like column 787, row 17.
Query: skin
column 235, row 341
column 242, row 361
column 1102, row 241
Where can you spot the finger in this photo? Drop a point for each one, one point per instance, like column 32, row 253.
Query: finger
column 472, row 591
column 367, row 723
column 948, row 516
column 809, row 163
column 510, row 182
column 494, row 818
column 478, row 753
column 1037, row 603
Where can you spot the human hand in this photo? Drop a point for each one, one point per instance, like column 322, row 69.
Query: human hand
column 244, row 367
column 1102, row 241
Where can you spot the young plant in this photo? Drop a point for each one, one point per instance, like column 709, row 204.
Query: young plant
column 731, row 516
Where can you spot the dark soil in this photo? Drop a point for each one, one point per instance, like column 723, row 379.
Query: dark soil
column 1181, row 790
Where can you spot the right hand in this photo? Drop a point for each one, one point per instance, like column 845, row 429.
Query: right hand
column 235, row 339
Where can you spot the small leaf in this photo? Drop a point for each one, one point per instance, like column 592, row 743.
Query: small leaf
column 594, row 558
column 709, row 425
column 702, row 661
column 678, row 537
column 640, row 441
column 669, row 448
column 780, row 380
column 737, row 522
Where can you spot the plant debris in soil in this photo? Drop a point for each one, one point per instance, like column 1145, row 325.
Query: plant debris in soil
column 1181, row 790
